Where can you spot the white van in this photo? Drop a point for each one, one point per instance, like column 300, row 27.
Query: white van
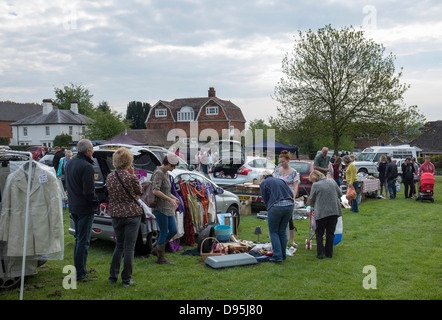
column 368, row 159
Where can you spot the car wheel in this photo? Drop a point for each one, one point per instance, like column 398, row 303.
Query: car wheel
column 9, row 283
column 234, row 211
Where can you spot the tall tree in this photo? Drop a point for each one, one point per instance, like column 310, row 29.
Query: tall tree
column 137, row 113
column 64, row 96
column 105, row 125
column 335, row 79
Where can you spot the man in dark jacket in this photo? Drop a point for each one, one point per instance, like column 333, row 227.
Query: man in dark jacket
column 59, row 153
column 407, row 177
column 391, row 175
column 79, row 176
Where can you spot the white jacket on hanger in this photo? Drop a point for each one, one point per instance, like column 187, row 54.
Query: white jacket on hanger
column 45, row 222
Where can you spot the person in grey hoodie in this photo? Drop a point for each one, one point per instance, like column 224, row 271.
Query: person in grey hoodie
column 325, row 197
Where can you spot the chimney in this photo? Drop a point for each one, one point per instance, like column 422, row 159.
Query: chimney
column 74, row 106
column 47, row 106
column 212, row 92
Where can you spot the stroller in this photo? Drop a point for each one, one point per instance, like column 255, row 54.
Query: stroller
column 426, row 187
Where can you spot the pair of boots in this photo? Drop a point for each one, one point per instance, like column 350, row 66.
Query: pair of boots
column 159, row 252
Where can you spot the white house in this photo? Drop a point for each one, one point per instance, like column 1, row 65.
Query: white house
column 42, row 127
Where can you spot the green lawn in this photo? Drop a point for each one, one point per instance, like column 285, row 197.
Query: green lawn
column 400, row 239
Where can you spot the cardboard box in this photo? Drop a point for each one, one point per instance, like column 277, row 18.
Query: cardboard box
column 246, row 208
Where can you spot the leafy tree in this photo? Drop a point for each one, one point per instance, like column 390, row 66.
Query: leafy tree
column 76, row 92
column 106, row 124
column 62, row 140
column 103, row 106
column 137, row 113
column 338, row 83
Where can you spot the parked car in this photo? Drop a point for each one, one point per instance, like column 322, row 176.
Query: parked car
column 37, row 152
column 304, row 168
column 47, row 160
column 144, row 163
column 228, row 172
column 161, row 152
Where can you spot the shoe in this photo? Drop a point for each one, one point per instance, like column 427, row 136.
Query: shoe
column 128, row 284
column 321, row 256
column 86, row 279
column 112, row 281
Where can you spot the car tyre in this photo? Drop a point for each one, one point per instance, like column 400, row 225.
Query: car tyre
column 234, row 211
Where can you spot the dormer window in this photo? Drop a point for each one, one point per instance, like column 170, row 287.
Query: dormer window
column 159, row 113
column 212, row 111
column 186, row 114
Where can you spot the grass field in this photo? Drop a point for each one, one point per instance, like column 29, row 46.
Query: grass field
column 399, row 239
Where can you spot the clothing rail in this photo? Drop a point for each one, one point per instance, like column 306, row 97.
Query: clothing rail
column 29, row 155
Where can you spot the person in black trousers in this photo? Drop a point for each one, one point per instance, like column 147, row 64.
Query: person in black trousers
column 407, row 177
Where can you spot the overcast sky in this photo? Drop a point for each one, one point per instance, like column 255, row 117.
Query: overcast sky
column 147, row 50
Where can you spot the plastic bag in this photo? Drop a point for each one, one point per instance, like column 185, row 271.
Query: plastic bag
column 351, row 192
column 338, row 231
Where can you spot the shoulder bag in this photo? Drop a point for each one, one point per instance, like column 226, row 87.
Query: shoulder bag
column 143, row 215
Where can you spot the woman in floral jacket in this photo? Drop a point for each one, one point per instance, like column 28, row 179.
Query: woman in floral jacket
column 125, row 213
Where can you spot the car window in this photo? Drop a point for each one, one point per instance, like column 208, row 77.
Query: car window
column 258, row 163
column 32, row 149
column 270, row 165
column 378, row 156
column 301, row 167
column 144, row 162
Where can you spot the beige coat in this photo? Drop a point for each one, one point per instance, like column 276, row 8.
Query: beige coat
column 45, row 223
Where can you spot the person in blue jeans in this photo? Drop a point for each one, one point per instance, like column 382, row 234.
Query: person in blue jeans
column 83, row 202
column 278, row 199
column 167, row 203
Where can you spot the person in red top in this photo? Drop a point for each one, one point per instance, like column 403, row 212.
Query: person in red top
column 427, row 166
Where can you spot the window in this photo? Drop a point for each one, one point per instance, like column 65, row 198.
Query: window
column 48, row 130
column 83, row 129
column 160, row 113
column 71, row 130
column 186, row 114
column 25, row 131
column 211, row 111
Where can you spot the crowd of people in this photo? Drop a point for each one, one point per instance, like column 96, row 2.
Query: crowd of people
column 278, row 189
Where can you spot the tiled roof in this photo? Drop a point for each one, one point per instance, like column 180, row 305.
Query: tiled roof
column 430, row 139
column 56, row 116
column 232, row 111
column 12, row 111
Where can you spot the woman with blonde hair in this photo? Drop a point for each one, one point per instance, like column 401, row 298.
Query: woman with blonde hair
column 291, row 177
column 125, row 213
column 325, row 196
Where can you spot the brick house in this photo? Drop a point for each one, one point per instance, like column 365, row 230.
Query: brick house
column 11, row 112
column 202, row 113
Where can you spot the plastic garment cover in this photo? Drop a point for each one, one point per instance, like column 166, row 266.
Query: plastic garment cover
column 45, row 231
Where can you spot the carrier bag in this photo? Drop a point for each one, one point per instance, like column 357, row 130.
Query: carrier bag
column 338, row 231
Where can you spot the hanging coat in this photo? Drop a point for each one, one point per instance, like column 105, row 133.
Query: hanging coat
column 45, row 234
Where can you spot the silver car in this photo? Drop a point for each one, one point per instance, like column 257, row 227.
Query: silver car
column 144, row 158
column 228, row 172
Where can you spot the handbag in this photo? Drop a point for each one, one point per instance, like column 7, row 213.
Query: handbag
column 148, row 197
column 143, row 215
